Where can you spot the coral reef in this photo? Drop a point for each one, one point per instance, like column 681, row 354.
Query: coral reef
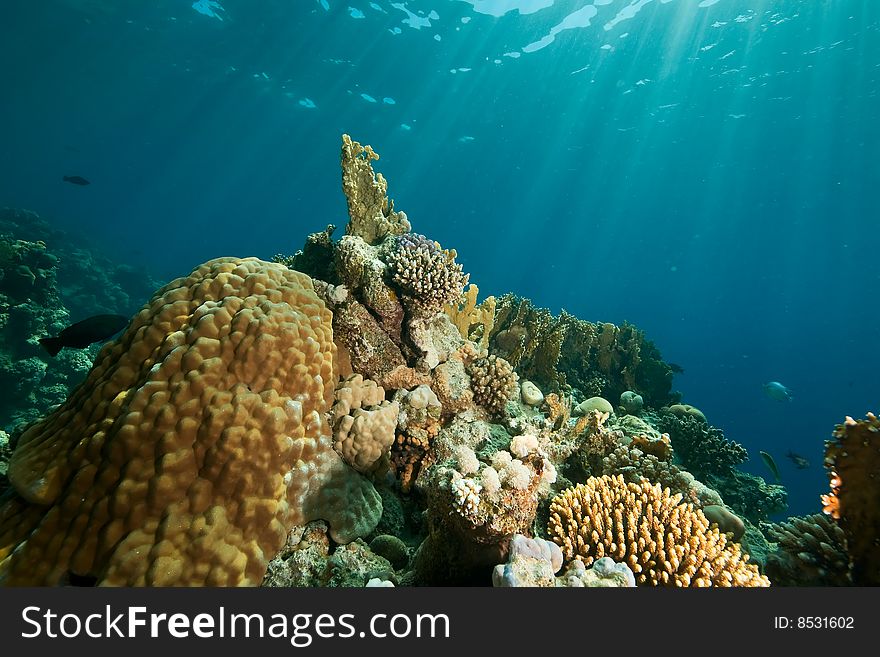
column 664, row 543
column 567, row 352
column 48, row 280
column 197, row 441
column 810, row 551
column 852, row 459
column 350, row 415
column 749, row 496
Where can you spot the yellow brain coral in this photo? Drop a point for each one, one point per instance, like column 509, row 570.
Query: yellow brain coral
column 664, row 543
column 197, row 441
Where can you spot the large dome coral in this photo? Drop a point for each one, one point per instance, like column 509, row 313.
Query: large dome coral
column 197, row 441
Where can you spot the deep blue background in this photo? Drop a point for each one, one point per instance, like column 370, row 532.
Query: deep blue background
column 711, row 177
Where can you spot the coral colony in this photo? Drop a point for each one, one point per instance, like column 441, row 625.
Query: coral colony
column 353, row 415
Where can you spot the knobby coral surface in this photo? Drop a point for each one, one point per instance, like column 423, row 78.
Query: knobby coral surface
column 664, row 543
column 197, row 441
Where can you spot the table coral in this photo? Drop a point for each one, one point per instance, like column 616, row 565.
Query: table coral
column 665, row 543
column 852, row 459
column 197, row 441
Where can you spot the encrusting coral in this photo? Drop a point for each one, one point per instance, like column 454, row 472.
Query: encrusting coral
column 197, row 441
column 852, row 459
column 665, row 543
column 363, row 422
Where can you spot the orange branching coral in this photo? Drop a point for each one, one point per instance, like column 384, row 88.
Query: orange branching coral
column 853, row 463
column 197, row 441
column 664, row 543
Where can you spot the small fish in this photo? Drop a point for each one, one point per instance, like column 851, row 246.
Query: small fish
column 799, row 461
column 84, row 333
column 76, row 180
column 678, row 369
column 776, row 391
column 771, row 464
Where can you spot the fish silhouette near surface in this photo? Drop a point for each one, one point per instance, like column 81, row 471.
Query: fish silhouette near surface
column 777, row 392
column 76, row 180
column 799, row 461
column 84, row 333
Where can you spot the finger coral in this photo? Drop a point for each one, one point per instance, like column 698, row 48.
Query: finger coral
column 852, row 459
column 197, row 441
column 427, row 276
column 664, row 543
column 494, row 383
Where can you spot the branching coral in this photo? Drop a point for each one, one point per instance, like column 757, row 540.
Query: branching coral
column 665, row 543
column 703, row 449
column 371, row 213
column 634, row 465
column 852, row 459
column 474, row 322
column 426, row 275
column 598, row 359
column 197, row 441
column 811, row 551
column 494, row 383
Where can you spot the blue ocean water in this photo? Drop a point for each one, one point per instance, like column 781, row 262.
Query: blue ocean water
column 704, row 169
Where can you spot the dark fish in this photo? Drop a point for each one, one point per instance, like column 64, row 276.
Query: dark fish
column 84, row 333
column 76, row 180
column 771, row 464
column 799, row 461
column 678, row 369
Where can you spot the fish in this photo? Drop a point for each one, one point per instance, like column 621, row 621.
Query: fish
column 777, row 392
column 76, row 180
column 84, row 333
column 771, row 464
column 676, row 368
column 799, row 461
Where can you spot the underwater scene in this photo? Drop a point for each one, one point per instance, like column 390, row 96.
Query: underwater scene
column 439, row 293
